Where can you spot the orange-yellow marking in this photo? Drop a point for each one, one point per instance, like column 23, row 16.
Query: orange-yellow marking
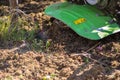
column 79, row 21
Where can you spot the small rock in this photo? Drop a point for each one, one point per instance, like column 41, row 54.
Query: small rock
column 18, row 72
column 65, row 72
column 50, row 70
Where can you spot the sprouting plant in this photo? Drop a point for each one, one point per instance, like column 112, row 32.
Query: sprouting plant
column 86, row 60
column 4, row 25
column 8, row 78
column 21, row 30
column 49, row 77
column 37, row 45
column 48, row 43
column 16, row 32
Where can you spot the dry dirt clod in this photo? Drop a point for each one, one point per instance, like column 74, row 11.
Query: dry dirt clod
column 18, row 72
column 115, row 64
column 65, row 72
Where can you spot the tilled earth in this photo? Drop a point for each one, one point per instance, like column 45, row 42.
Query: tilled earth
column 69, row 57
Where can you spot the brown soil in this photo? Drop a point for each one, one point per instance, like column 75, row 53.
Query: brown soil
column 69, row 57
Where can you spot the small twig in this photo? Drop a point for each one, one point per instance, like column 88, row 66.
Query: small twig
column 84, row 53
column 93, row 47
column 17, row 48
column 18, row 11
column 15, row 14
column 88, row 55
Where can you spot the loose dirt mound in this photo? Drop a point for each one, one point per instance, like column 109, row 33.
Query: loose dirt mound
column 69, row 57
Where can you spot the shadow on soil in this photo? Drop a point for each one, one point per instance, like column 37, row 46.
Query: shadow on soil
column 102, row 55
